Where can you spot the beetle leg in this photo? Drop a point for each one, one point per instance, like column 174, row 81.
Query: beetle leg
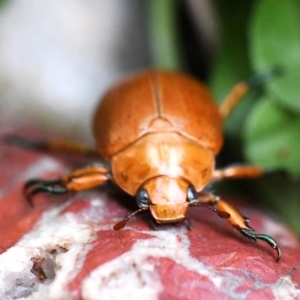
column 235, row 218
column 233, row 98
column 263, row 237
column 50, row 145
column 238, row 221
column 239, row 90
column 189, row 224
column 37, row 186
column 152, row 224
column 235, row 172
column 79, row 180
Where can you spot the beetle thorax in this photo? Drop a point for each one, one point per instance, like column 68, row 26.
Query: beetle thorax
column 162, row 154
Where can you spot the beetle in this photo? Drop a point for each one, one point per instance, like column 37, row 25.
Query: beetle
column 160, row 131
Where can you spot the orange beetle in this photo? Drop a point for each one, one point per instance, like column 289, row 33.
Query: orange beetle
column 160, row 131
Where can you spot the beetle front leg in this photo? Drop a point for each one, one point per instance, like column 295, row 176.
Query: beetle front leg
column 236, row 219
column 55, row 145
column 79, row 180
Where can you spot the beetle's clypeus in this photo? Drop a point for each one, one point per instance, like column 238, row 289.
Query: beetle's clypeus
column 160, row 131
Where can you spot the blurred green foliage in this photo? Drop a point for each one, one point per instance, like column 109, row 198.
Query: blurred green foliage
column 1, row 2
column 264, row 129
column 268, row 34
column 274, row 34
column 273, row 136
column 272, row 131
column 268, row 130
column 163, row 34
column 231, row 64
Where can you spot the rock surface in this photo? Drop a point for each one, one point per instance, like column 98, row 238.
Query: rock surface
column 65, row 247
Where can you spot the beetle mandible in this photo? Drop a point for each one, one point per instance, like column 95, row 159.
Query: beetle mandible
column 160, row 132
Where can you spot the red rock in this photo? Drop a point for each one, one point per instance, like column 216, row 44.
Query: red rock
column 107, row 246
column 181, row 283
column 264, row 293
column 91, row 261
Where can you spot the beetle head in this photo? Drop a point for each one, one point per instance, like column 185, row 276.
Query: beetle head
column 167, row 198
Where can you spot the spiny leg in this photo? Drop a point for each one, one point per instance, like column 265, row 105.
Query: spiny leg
column 189, row 224
column 244, row 171
column 235, row 218
column 265, row 238
column 241, row 89
column 240, row 222
column 49, row 145
column 37, row 186
column 233, row 98
column 152, row 224
column 187, row 221
column 234, row 172
column 79, row 180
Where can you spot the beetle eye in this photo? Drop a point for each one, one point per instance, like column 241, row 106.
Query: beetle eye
column 142, row 198
column 192, row 195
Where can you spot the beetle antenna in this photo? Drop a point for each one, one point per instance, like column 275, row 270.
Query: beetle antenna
column 122, row 223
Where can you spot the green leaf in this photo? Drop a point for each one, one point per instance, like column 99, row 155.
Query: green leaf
column 272, row 137
column 275, row 42
column 281, row 195
column 163, row 34
column 2, row 2
column 231, row 63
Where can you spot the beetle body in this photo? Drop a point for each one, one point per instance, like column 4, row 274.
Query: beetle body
column 173, row 130
column 156, row 101
column 160, row 132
